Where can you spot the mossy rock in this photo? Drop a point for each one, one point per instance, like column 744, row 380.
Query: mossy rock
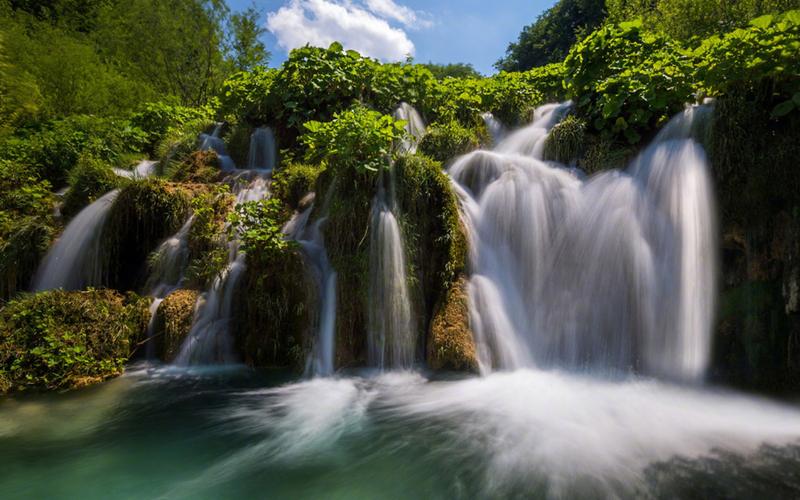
column 237, row 142
column 20, row 254
column 566, row 141
column 62, row 340
column 173, row 322
column 275, row 311
column 142, row 216
column 199, row 167
column 208, row 251
column 293, row 181
column 446, row 141
column 88, row 180
column 451, row 345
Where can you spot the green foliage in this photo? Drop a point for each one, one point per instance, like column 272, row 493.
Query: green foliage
column 88, row 180
column 62, row 340
column 208, row 253
column 694, row 19
column 549, row 39
column 258, row 226
column 626, row 82
column 20, row 98
column 247, row 95
column 357, row 139
column 766, row 50
column 52, row 149
column 456, row 70
column 445, row 141
column 200, row 167
column 293, row 181
column 158, row 119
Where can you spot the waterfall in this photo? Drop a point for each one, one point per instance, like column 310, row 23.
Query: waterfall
column 210, row 341
column 415, row 127
column 614, row 272
column 321, row 359
column 167, row 266
column 495, row 128
column 263, row 150
column 73, row 262
column 213, row 142
column 143, row 170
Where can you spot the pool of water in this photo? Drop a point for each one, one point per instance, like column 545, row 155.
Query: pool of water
column 222, row 433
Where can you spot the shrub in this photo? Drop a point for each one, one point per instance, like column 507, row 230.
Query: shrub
column 61, row 340
column 357, row 139
column 208, row 253
column 293, row 181
column 88, row 180
column 445, row 141
column 157, row 119
column 246, row 95
column 258, row 226
column 626, row 82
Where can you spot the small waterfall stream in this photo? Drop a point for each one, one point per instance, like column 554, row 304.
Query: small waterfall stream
column 213, row 142
column 263, row 152
column 143, row 170
column 73, row 262
column 210, row 341
column 614, row 272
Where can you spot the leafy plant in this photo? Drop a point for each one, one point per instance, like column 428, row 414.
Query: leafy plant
column 258, row 226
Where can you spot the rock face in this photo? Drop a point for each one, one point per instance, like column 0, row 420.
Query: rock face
column 173, row 323
column 451, row 345
column 63, row 340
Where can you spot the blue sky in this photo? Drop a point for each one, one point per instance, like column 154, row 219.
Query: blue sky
column 442, row 31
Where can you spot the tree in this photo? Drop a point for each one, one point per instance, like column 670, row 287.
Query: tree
column 457, row 70
column 245, row 46
column 549, row 39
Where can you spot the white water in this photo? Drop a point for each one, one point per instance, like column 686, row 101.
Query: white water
column 263, row 150
column 143, row 170
column 496, row 129
column 213, row 142
column 615, row 272
column 321, row 359
column 73, row 262
column 415, row 127
column 210, row 340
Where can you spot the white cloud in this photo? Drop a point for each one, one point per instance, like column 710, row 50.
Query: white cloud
column 322, row 22
column 388, row 9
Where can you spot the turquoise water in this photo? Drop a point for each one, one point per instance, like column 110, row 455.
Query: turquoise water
column 235, row 433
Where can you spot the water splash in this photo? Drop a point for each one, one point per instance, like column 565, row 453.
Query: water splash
column 74, row 261
column 615, row 272
column 496, row 129
column 263, row 150
column 210, row 340
column 143, row 170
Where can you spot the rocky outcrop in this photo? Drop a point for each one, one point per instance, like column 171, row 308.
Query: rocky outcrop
column 451, row 345
column 173, row 322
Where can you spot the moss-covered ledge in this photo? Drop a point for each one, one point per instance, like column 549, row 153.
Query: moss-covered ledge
column 65, row 340
column 173, row 322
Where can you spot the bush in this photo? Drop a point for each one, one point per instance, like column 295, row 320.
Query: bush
column 625, row 82
column 357, row 139
column 208, row 253
column 62, row 340
column 246, row 96
column 292, row 182
column 445, row 141
column 566, row 141
column 88, row 180
column 157, row 119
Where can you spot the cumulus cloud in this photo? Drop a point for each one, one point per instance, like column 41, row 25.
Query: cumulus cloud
column 365, row 29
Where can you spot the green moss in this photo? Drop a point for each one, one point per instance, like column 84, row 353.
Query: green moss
column 143, row 214
column 199, row 167
column 293, row 181
column 208, row 252
column 275, row 313
column 445, row 141
column 173, row 323
column 62, row 340
column 237, row 141
column 566, row 141
column 88, row 180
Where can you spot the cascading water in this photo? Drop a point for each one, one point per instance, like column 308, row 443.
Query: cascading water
column 213, row 142
column 73, row 262
column 209, row 341
column 263, row 150
column 167, row 267
column 612, row 272
column 391, row 339
column 415, row 127
column 495, row 128
column 143, row 170
column 321, row 360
